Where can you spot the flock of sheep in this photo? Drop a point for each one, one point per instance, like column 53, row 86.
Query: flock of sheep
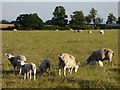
column 65, row 61
column 89, row 31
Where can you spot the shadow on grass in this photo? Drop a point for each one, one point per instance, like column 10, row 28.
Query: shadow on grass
column 8, row 72
column 97, row 84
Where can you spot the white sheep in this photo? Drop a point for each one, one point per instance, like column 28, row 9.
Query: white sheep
column 67, row 61
column 14, row 61
column 15, row 30
column 27, row 69
column 90, row 31
column 101, row 31
column 45, row 65
column 81, row 30
column 101, row 54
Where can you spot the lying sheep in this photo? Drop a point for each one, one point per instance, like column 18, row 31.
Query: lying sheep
column 100, row 55
column 27, row 69
column 45, row 65
column 67, row 61
column 14, row 61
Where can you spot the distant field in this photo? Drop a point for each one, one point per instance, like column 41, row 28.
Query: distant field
column 36, row 45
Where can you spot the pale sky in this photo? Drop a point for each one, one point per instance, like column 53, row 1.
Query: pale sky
column 44, row 8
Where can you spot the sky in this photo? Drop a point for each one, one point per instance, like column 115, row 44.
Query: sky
column 44, row 8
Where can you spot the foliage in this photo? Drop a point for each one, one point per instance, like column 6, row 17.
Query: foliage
column 4, row 22
column 59, row 16
column 94, row 17
column 77, row 18
column 29, row 21
column 111, row 18
column 118, row 22
column 88, row 19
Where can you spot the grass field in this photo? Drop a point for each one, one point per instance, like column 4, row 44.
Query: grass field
column 36, row 45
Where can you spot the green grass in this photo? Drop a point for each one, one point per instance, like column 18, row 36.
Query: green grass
column 36, row 45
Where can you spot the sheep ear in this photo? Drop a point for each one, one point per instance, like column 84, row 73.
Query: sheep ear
column 113, row 53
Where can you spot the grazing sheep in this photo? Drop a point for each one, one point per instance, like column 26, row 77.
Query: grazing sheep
column 45, row 65
column 101, row 54
column 27, row 69
column 101, row 32
column 67, row 61
column 14, row 61
column 90, row 31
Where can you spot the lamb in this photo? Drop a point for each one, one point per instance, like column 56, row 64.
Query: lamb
column 27, row 69
column 67, row 61
column 45, row 65
column 14, row 61
column 100, row 55
column 101, row 32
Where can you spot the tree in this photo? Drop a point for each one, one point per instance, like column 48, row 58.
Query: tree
column 88, row 19
column 111, row 19
column 94, row 17
column 29, row 21
column 118, row 22
column 4, row 22
column 77, row 18
column 59, row 16
column 93, row 14
column 98, row 20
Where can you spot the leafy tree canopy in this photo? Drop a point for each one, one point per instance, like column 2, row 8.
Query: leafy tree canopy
column 111, row 19
column 29, row 21
column 59, row 16
column 4, row 22
column 77, row 18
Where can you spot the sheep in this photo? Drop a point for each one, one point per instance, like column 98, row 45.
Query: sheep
column 66, row 61
column 90, row 31
column 15, row 30
column 45, row 65
column 14, row 61
column 101, row 32
column 81, row 30
column 101, row 54
column 27, row 69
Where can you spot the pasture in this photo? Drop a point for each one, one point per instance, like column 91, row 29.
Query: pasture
column 36, row 45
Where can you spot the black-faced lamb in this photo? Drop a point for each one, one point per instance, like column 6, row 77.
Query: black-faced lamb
column 14, row 61
column 28, row 69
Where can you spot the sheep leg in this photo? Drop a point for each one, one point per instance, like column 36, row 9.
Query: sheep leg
column 25, row 75
column 59, row 71
column 65, row 71
column 71, row 70
column 20, row 71
column 30, row 73
column 15, row 69
column 34, row 71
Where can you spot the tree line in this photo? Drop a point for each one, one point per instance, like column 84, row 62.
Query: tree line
column 60, row 20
